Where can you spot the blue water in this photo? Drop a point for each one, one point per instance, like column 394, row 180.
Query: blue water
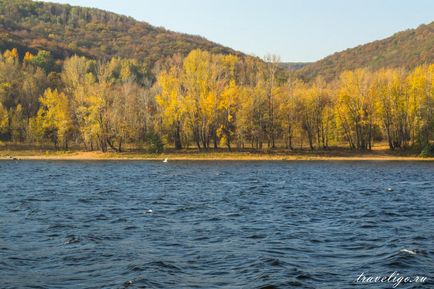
column 214, row 224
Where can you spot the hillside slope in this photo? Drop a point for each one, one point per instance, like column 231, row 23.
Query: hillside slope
column 66, row 30
column 407, row 49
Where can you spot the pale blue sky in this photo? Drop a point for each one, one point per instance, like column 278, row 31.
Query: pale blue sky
column 297, row 30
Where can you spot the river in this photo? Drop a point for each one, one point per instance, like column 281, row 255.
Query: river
column 187, row 224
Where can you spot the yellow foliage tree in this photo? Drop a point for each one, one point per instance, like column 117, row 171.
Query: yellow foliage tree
column 171, row 103
column 228, row 106
column 355, row 108
column 4, row 119
column 54, row 117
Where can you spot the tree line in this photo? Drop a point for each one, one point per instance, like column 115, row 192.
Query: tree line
column 208, row 101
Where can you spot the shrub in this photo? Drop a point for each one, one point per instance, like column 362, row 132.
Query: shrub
column 156, row 145
column 428, row 151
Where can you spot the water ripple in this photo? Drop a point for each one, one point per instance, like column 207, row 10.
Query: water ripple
column 213, row 224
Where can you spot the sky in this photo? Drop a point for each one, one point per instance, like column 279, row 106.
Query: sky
column 296, row 30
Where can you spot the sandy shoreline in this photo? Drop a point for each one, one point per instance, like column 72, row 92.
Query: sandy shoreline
column 212, row 156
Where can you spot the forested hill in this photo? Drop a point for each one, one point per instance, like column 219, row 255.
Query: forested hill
column 407, row 49
column 66, row 30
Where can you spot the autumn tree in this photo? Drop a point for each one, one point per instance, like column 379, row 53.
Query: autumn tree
column 394, row 103
column 421, row 104
column 171, row 103
column 271, row 90
column 287, row 113
column 355, row 108
column 78, row 78
column 228, row 106
column 54, row 118
column 4, row 119
column 20, row 87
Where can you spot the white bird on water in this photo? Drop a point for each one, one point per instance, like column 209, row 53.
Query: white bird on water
column 165, row 160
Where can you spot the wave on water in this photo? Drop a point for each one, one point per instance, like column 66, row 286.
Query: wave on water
column 212, row 225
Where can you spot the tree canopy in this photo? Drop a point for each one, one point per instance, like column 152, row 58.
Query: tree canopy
column 208, row 101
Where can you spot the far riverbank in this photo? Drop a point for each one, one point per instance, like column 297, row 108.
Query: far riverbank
column 332, row 155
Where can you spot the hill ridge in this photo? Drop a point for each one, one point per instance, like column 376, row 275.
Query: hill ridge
column 66, row 30
column 407, row 48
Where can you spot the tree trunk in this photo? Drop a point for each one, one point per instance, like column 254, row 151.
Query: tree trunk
column 111, row 145
column 228, row 143
column 215, row 139
column 177, row 136
column 120, row 145
column 310, row 138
